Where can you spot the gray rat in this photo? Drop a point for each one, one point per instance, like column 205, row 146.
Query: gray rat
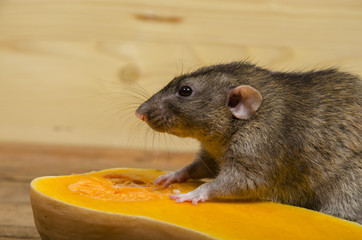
column 292, row 138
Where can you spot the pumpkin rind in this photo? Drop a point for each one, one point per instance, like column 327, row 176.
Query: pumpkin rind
column 57, row 220
column 62, row 214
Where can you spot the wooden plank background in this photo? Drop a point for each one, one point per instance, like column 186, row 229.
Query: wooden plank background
column 67, row 67
column 72, row 74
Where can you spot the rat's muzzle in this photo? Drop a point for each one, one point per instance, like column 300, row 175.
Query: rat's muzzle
column 153, row 116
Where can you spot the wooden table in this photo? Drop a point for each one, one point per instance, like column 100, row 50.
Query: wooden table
column 19, row 164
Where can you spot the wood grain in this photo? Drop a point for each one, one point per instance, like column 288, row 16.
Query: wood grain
column 68, row 67
column 20, row 163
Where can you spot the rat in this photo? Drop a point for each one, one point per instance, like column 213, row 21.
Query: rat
column 287, row 137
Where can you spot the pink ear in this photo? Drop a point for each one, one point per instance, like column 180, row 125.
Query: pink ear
column 243, row 101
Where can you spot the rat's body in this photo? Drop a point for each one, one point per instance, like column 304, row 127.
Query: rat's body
column 292, row 138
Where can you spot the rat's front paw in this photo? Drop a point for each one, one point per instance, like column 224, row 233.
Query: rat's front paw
column 171, row 177
column 198, row 195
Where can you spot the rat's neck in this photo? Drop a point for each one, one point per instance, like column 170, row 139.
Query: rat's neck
column 216, row 147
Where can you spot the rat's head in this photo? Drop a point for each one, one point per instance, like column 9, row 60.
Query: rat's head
column 203, row 104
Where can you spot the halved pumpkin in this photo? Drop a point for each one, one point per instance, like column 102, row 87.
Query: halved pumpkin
column 124, row 204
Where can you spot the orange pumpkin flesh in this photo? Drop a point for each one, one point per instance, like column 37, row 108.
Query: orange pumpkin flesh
column 124, row 204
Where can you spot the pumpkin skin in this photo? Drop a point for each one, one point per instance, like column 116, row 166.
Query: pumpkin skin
column 116, row 204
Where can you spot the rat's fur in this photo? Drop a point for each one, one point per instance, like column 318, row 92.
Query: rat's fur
column 301, row 147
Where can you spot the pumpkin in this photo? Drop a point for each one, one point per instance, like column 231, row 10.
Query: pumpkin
column 124, row 204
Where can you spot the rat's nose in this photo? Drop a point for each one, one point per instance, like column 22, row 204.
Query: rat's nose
column 142, row 112
column 141, row 116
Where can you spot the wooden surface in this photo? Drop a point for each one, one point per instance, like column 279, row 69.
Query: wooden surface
column 19, row 164
column 68, row 67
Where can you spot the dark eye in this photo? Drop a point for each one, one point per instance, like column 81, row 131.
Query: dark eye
column 185, row 91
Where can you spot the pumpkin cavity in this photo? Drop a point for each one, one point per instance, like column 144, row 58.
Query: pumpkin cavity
column 117, row 187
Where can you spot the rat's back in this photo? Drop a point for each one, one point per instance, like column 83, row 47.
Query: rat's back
column 323, row 114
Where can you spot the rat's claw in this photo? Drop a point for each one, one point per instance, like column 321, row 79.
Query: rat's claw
column 194, row 197
column 163, row 178
column 171, row 177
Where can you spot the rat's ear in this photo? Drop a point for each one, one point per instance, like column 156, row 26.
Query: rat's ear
column 243, row 101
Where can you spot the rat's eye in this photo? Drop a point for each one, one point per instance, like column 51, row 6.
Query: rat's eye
column 185, row 91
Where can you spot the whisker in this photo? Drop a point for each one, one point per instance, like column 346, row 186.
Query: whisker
column 168, row 152
column 135, row 128
column 146, row 137
column 146, row 93
column 139, row 95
